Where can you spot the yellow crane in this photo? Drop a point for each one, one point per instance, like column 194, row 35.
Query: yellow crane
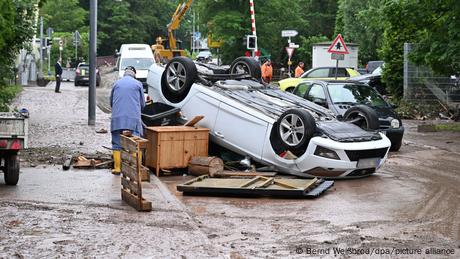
column 160, row 52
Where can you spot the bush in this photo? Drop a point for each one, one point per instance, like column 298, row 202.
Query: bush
column 7, row 94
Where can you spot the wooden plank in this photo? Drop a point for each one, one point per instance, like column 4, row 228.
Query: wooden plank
column 129, row 158
column 129, row 171
column 133, row 143
column 132, row 186
column 243, row 174
column 194, row 121
column 138, row 203
column 175, row 129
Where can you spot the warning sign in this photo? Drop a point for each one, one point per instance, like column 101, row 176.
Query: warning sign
column 338, row 46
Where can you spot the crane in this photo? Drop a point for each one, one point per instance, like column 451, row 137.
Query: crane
column 159, row 51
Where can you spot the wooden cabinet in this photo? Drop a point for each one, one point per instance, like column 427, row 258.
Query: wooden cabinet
column 172, row 146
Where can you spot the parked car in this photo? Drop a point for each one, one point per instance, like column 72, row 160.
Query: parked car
column 373, row 65
column 264, row 123
column 139, row 56
column 373, row 79
column 323, row 73
column 352, row 100
column 204, row 56
column 82, row 75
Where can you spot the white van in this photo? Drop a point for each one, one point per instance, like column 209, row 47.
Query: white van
column 139, row 56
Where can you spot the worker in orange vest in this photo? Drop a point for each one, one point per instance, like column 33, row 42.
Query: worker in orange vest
column 267, row 71
column 299, row 69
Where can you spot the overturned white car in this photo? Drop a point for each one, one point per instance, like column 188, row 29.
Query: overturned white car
column 263, row 122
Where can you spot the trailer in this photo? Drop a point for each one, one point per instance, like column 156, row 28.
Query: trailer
column 14, row 129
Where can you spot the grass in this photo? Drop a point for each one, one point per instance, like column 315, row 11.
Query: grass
column 448, row 127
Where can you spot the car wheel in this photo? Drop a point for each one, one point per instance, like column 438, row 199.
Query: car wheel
column 363, row 116
column 246, row 65
column 177, row 79
column 294, row 129
column 11, row 169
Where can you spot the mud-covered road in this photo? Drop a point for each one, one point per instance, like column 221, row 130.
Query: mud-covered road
column 410, row 208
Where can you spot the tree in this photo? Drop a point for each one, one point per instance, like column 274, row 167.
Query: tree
column 64, row 16
column 359, row 21
column 438, row 39
column 17, row 28
column 397, row 31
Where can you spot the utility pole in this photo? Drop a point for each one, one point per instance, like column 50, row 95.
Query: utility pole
column 92, row 64
column 40, row 73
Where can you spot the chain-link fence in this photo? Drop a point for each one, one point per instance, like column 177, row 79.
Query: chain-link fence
column 422, row 85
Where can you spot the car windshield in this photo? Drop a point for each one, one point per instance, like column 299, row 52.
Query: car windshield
column 355, row 94
column 137, row 63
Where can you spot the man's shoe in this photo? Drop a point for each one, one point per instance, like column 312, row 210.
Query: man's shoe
column 57, row 91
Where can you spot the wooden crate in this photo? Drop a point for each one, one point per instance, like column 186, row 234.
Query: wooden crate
column 173, row 146
column 131, row 172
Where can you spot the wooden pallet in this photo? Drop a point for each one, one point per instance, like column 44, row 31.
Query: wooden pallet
column 132, row 172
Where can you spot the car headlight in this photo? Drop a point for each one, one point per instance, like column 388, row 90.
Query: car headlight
column 394, row 123
column 325, row 152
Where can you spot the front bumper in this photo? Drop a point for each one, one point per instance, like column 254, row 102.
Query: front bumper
column 356, row 159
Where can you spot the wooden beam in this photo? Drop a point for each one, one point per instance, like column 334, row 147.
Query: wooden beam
column 138, row 203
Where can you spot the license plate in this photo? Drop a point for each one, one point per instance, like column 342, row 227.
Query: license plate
column 368, row 162
column 85, row 78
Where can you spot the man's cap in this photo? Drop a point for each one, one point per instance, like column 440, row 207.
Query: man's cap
column 131, row 68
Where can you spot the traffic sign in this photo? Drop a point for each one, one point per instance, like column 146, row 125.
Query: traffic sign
column 289, row 33
column 293, row 45
column 338, row 46
column 61, row 43
column 289, row 51
column 335, row 56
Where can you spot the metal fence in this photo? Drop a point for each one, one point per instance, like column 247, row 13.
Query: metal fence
column 422, row 85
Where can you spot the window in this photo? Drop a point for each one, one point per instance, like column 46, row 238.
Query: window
column 341, row 72
column 318, row 73
column 316, row 95
column 301, row 89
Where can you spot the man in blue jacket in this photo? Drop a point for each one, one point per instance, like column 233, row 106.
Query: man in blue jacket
column 127, row 102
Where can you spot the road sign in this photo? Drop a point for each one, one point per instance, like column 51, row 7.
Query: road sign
column 289, row 33
column 335, row 56
column 61, row 43
column 338, row 46
column 289, row 51
column 293, row 45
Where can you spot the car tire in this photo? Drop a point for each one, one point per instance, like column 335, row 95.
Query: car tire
column 246, row 65
column 363, row 116
column 294, row 129
column 177, row 79
column 11, row 173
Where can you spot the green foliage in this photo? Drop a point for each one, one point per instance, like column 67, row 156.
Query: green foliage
column 438, row 36
column 360, row 21
column 132, row 22
column 64, row 16
column 16, row 29
column 7, row 93
column 230, row 22
column 397, row 31
column 304, row 52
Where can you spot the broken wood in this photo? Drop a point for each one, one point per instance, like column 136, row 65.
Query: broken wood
column 131, row 172
column 243, row 174
column 194, row 121
column 205, row 166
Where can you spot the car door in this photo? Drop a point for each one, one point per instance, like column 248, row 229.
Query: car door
column 317, row 95
column 201, row 104
column 239, row 130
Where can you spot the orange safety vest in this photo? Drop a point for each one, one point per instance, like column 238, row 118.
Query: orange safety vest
column 267, row 71
column 298, row 71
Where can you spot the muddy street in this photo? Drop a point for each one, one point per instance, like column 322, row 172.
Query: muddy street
column 409, row 208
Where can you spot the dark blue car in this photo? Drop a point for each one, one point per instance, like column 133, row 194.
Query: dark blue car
column 357, row 102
